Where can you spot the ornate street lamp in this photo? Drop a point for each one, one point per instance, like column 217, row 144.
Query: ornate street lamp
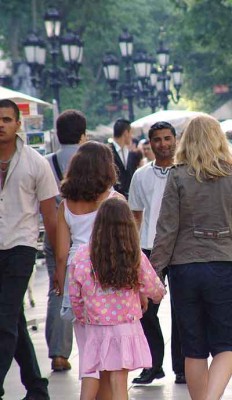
column 111, row 72
column 168, row 74
column 52, row 21
column 35, row 52
column 72, row 50
column 126, row 48
column 144, row 81
column 71, row 47
column 143, row 65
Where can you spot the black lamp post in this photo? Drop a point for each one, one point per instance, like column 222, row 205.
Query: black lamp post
column 144, row 81
column 126, row 47
column 69, row 44
column 111, row 71
column 166, row 75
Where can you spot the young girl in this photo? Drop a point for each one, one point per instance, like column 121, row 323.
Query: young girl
column 88, row 182
column 105, row 283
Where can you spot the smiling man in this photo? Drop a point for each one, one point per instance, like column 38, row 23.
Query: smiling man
column 145, row 197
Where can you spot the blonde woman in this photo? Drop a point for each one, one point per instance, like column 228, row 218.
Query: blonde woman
column 194, row 238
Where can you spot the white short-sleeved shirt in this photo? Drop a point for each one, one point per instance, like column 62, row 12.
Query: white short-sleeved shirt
column 145, row 194
column 29, row 181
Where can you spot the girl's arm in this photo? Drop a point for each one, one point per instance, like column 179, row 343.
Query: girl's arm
column 63, row 240
column 150, row 284
column 75, row 291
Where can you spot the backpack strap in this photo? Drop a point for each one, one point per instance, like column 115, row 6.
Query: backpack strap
column 57, row 167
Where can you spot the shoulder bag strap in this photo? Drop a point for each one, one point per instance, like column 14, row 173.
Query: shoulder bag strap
column 57, row 167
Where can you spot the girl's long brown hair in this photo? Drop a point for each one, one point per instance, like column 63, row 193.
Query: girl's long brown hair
column 91, row 172
column 114, row 247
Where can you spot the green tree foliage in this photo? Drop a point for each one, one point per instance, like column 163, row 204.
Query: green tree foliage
column 198, row 33
column 205, row 45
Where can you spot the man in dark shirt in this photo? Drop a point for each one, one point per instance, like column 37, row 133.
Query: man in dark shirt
column 123, row 157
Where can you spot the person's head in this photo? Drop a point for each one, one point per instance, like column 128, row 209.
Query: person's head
column 91, row 173
column 71, row 127
column 134, row 144
column 137, row 158
column 114, row 246
column 204, row 148
column 162, row 136
column 9, row 121
column 122, row 131
column 147, row 150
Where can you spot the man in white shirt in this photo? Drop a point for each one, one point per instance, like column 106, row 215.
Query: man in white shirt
column 145, row 197
column 27, row 188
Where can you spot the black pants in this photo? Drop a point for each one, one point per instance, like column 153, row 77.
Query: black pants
column 151, row 326
column 16, row 266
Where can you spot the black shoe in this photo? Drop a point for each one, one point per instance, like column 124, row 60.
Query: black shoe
column 180, row 378
column 148, row 375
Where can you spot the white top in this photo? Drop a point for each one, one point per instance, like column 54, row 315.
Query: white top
column 80, row 228
column 145, row 194
column 123, row 152
column 29, row 181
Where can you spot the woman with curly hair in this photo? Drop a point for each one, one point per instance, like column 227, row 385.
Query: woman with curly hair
column 106, row 279
column 194, row 238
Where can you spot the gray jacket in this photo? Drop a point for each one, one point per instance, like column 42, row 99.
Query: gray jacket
column 195, row 221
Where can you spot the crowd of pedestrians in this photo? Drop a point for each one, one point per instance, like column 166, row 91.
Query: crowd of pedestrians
column 114, row 231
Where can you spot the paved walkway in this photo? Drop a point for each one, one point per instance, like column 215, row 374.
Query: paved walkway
column 65, row 385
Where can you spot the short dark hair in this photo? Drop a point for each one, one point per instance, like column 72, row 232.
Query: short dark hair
column 70, row 126
column 91, row 172
column 120, row 126
column 7, row 103
column 136, row 157
column 161, row 125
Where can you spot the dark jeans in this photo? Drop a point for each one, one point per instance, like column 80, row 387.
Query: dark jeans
column 16, row 266
column 151, row 326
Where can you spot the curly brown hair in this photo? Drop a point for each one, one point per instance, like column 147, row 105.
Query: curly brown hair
column 91, row 173
column 114, row 246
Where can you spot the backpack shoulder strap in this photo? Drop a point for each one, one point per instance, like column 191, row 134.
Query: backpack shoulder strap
column 57, row 167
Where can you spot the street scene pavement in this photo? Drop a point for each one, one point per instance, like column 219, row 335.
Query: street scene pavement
column 65, row 385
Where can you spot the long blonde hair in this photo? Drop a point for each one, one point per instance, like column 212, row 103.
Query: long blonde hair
column 205, row 149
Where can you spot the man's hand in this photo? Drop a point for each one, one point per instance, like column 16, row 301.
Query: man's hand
column 56, row 285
